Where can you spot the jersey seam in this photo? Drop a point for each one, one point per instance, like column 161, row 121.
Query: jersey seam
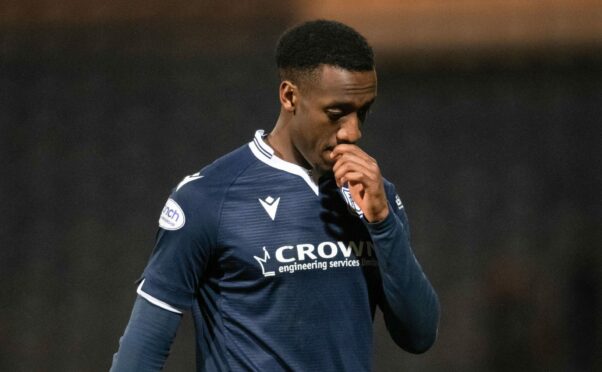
column 221, row 207
column 227, row 338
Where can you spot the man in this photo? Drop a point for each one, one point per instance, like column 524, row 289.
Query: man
column 283, row 248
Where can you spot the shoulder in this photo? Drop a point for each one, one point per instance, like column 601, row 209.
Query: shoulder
column 202, row 192
column 216, row 176
column 226, row 168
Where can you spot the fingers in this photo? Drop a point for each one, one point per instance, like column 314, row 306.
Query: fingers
column 347, row 149
column 353, row 164
column 356, row 177
column 362, row 174
column 354, row 171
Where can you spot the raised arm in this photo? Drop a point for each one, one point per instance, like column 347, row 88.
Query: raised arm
column 408, row 301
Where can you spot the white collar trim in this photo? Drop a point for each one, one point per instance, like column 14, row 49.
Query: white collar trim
column 265, row 153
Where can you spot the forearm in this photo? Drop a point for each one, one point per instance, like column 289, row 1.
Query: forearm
column 410, row 304
column 147, row 339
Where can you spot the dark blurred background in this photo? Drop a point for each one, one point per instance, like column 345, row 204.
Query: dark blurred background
column 488, row 121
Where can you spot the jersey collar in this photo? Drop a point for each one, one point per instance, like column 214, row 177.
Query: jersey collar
column 265, row 153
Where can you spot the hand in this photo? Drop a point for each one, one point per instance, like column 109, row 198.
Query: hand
column 361, row 172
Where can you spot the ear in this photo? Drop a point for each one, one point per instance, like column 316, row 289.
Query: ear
column 288, row 95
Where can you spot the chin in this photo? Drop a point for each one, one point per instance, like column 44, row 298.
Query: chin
column 323, row 168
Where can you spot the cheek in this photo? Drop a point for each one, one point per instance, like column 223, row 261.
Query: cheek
column 314, row 132
column 303, row 140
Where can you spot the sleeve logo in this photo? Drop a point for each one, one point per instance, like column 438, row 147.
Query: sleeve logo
column 398, row 202
column 172, row 217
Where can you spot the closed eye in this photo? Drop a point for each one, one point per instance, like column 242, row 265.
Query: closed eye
column 335, row 115
column 338, row 111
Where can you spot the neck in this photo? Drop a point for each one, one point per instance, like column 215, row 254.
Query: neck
column 280, row 140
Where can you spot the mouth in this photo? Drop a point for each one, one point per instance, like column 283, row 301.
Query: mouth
column 328, row 150
column 330, row 147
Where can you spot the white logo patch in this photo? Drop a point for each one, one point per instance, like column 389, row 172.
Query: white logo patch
column 398, row 202
column 172, row 216
column 270, row 205
column 350, row 202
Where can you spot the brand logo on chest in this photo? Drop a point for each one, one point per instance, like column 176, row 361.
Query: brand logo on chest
column 323, row 256
column 270, row 205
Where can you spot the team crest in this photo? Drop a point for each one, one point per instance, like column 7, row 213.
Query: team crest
column 354, row 208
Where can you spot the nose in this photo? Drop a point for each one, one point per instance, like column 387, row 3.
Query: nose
column 349, row 131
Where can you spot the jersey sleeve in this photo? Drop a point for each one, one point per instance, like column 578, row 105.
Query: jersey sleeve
column 147, row 339
column 408, row 301
column 184, row 244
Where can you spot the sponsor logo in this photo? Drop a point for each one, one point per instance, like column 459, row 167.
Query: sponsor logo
column 270, row 205
column 172, row 217
column 323, row 256
column 262, row 261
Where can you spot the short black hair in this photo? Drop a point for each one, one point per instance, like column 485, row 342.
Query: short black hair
column 303, row 48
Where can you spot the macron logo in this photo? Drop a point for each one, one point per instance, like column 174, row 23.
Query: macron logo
column 270, row 205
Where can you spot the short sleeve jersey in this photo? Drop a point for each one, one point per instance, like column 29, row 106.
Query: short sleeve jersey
column 278, row 272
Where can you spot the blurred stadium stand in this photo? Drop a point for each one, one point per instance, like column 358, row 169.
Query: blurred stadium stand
column 488, row 121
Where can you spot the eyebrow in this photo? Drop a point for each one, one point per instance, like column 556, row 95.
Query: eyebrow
column 348, row 106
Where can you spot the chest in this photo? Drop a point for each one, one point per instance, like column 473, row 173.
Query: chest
column 280, row 229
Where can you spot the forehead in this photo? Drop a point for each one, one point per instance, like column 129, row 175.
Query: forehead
column 334, row 83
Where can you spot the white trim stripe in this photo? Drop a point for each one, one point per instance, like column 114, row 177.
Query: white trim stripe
column 263, row 151
column 259, row 149
column 156, row 301
column 187, row 179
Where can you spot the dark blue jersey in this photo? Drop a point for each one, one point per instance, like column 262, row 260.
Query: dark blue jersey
column 279, row 273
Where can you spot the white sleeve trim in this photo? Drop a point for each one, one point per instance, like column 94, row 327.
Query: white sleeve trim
column 156, row 301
